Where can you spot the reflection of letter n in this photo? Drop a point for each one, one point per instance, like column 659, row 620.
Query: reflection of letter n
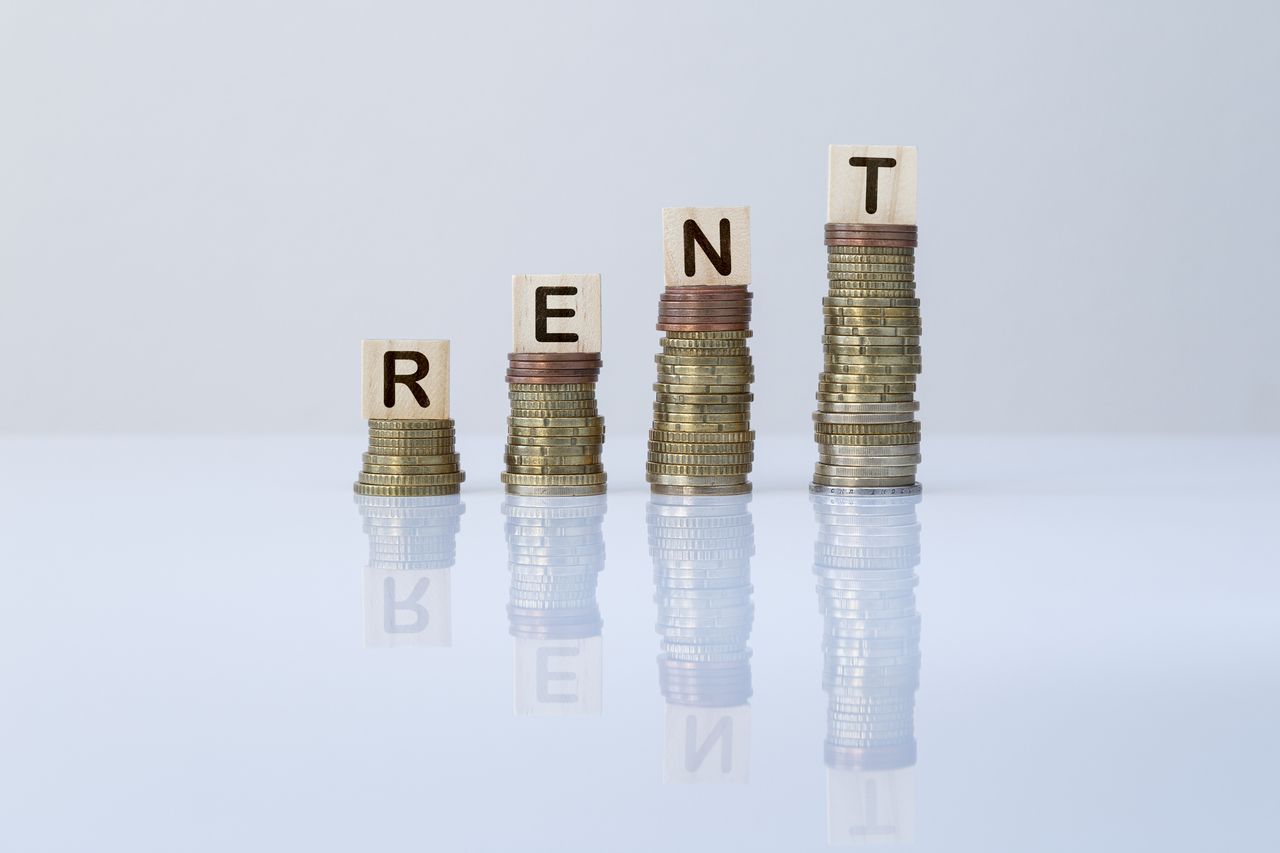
column 694, row 755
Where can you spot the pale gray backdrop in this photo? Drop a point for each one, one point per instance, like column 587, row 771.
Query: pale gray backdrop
column 204, row 206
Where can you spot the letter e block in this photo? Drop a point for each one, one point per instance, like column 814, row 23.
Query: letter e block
column 555, row 313
column 706, row 245
column 871, row 185
column 405, row 380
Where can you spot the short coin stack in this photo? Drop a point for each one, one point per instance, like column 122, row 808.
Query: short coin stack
column 865, row 558
column 555, row 433
column 555, row 551
column 701, row 442
column 410, row 458
column 701, row 548
column 412, row 533
column 865, row 423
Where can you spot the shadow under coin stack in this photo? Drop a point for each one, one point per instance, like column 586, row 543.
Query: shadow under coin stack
column 410, row 459
column 555, row 434
column 865, row 423
column 701, row 548
column 701, row 442
column 865, row 558
column 555, row 551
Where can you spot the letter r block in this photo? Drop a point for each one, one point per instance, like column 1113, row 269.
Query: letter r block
column 864, row 189
column 706, row 245
column 555, row 313
column 406, row 380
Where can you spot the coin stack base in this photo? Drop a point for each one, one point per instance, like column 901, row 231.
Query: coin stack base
column 701, row 442
column 555, row 435
column 865, row 426
column 410, row 458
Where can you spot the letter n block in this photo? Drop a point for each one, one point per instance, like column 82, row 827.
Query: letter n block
column 706, row 245
column 405, row 380
column 555, row 313
column 871, row 185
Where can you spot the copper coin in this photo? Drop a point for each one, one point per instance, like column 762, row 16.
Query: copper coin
column 702, row 327
column 870, row 226
column 550, row 380
column 707, row 292
column 888, row 244
column 553, row 365
column 538, row 371
column 666, row 311
column 553, row 356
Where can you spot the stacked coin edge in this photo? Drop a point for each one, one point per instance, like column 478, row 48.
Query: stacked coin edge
column 555, row 434
column 410, row 458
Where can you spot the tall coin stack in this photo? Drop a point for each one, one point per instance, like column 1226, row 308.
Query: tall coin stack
column 702, row 548
column 555, row 434
column 701, row 442
column 865, row 558
column 410, row 458
column 865, row 423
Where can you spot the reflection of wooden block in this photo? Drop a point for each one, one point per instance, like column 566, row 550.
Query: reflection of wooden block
column 407, row 607
column 708, row 744
column 871, row 806
column 871, row 184
column 706, row 245
column 405, row 379
column 555, row 313
column 558, row 677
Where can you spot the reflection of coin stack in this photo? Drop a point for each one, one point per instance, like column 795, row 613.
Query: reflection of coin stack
column 701, row 548
column 412, row 547
column 701, row 441
column 865, row 420
column 865, row 558
column 410, row 458
column 555, row 551
column 555, row 433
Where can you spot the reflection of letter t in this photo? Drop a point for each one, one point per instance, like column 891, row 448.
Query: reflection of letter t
column 873, row 165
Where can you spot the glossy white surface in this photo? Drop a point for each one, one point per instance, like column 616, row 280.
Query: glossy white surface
column 184, row 660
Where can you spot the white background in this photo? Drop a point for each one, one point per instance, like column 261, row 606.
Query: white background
column 204, row 206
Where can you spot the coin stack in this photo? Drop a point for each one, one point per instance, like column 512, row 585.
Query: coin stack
column 865, row 423
column 701, row 442
column 408, row 533
column 865, row 558
column 555, row 551
column 410, row 459
column 555, row 433
column 701, row 548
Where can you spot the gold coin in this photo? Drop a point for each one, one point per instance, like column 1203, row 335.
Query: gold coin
column 701, row 459
column 887, row 440
column 712, row 449
column 677, row 480
column 408, row 423
column 863, row 482
column 422, row 435
column 550, row 441
column 368, row 490
column 446, row 468
column 735, row 426
column 662, row 418
column 412, row 479
column 557, row 470
column 697, row 470
column 557, row 480
column 691, row 437
column 854, row 428
column 701, row 408
column 549, row 388
column 415, row 459
column 855, row 466
column 872, row 250
column 722, row 335
column 580, row 432
column 877, row 302
column 410, row 446
column 828, row 397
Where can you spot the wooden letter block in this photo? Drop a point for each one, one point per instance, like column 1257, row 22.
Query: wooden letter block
column 406, row 380
column 871, row 185
column 555, row 313
column 706, row 245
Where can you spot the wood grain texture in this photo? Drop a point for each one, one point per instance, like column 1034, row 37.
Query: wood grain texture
column 707, row 744
column 894, row 197
column 433, row 384
column 687, row 261
column 535, row 294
